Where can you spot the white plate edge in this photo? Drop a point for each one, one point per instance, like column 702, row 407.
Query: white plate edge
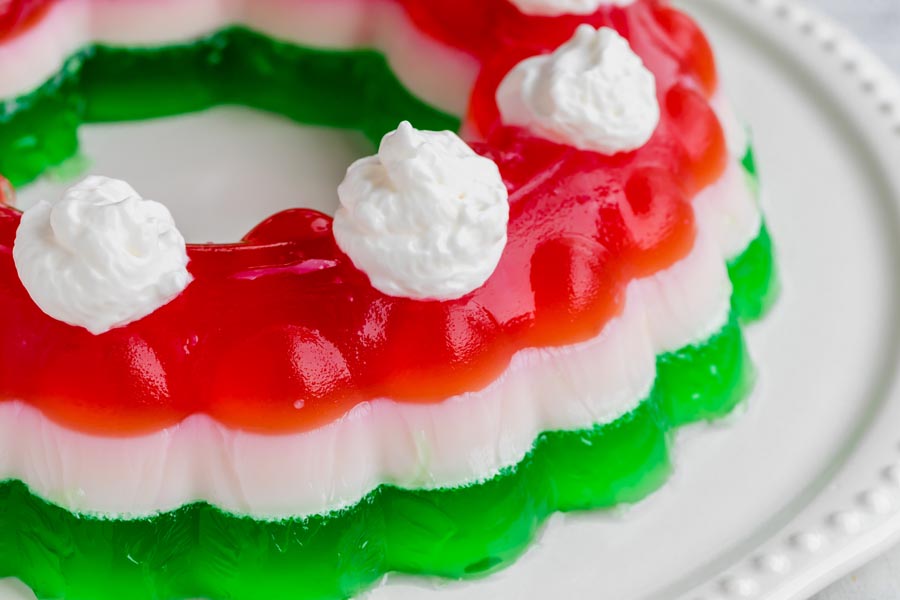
column 830, row 537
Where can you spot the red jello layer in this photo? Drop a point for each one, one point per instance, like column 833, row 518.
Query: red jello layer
column 281, row 333
column 17, row 16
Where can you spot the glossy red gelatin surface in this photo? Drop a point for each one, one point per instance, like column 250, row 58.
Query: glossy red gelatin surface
column 279, row 332
column 17, row 16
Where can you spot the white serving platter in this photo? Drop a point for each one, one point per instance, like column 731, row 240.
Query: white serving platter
column 804, row 485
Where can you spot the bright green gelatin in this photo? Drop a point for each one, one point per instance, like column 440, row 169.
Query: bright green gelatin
column 199, row 551
column 351, row 89
column 753, row 274
column 755, row 279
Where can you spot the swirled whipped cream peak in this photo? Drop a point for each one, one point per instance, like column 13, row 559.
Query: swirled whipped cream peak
column 593, row 93
column 101, row 256
column 425, row 218
column 554, row 8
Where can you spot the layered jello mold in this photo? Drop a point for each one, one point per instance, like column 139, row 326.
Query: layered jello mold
column 284, row 429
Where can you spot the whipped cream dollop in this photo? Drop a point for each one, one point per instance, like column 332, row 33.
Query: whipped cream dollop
column 101, row 256
column 553, row 8
column 593, row 93
column 424, row 218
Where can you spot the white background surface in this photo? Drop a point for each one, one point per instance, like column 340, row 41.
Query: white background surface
column 877, row 24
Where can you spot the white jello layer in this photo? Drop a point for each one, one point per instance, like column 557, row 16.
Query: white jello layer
column 462, row 440
column 440, row 75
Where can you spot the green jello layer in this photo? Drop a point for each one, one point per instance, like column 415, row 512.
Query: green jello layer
column 754, row 277
column 352, row 89
column 200, row 551
column 753, row 274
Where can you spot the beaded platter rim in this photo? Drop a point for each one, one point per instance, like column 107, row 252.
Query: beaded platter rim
column 856, row 514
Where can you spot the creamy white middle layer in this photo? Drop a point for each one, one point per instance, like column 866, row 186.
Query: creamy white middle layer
column 465, row 439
